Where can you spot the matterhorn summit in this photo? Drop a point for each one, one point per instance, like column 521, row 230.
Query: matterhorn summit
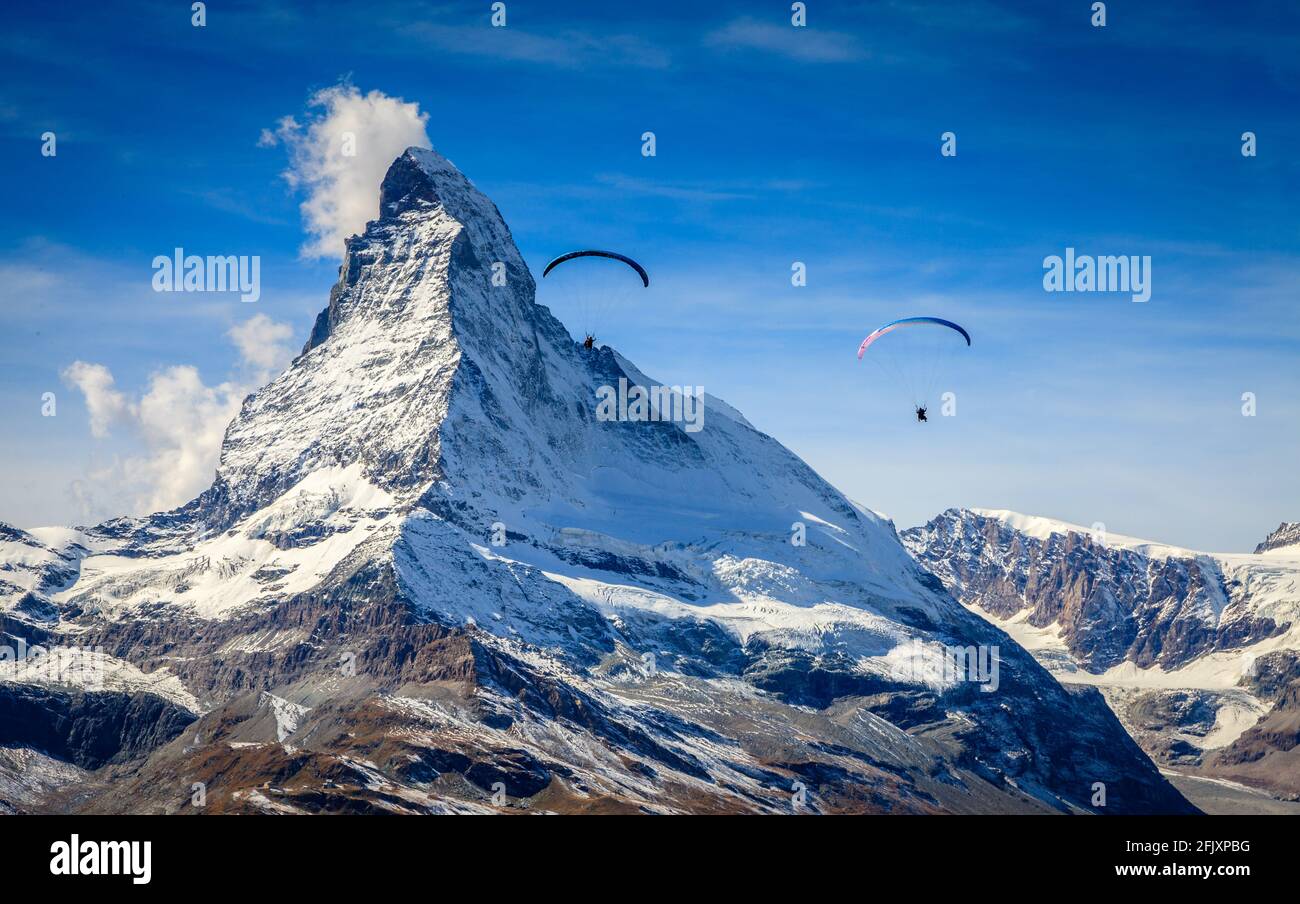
column 428, row 577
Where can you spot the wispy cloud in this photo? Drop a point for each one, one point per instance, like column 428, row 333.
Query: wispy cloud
column 806, row 44
column 228, row 201
column 96, row 292
column 567, row 49
column 104, row 402
column 629, row 185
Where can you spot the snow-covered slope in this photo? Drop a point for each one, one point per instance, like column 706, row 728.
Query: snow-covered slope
column 35, row 564
column 421, row 531
column 1175, row 638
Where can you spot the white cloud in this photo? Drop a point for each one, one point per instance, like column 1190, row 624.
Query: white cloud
column 262, row 342
column 105, row 404
column 343, row 191
column 179, row 421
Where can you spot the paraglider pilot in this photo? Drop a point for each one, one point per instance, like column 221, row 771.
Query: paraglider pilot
column 590, row 341
column 908, row 322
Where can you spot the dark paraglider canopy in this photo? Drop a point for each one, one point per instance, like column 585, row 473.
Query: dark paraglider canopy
column 612, row 255
column 592, row 293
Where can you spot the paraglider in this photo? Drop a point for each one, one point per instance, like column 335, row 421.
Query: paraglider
column 908, row 321
column 597, row 281
column 915, row 358
column 612, row 255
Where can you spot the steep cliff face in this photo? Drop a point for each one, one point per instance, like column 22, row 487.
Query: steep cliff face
column 1190, row 648
column 1110, row 599
column 428, row 577
column 87, row 729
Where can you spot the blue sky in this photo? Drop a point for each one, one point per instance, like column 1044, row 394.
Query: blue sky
column 775, row 144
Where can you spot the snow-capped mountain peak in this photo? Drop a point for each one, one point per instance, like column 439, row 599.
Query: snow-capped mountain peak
column 429, row 494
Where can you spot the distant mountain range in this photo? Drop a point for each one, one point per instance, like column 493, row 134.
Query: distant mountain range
column 1197, row 653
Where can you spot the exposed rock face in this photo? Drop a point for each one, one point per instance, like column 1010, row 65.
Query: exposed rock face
column 1112, row 603
column 428, row 579
column 87, row 729
column 1213, row 637
column 1287, row 534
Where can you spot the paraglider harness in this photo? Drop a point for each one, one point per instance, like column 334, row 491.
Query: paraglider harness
column 920, row 414
column 589, row 342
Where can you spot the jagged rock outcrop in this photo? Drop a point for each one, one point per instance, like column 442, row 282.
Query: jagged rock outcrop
column 1286, row 535
column 1112, row 600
